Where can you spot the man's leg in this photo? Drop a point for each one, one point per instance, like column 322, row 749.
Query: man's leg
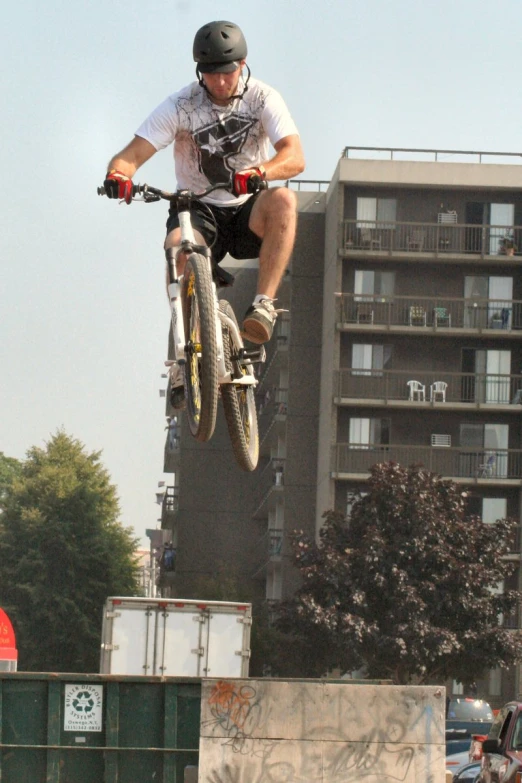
column 274, row 220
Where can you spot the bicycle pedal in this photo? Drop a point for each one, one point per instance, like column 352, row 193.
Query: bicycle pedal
column 252, row 356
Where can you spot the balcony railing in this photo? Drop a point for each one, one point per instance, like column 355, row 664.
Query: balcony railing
column 492, row 465
column 436, row 313
column 386, row 386
column 270, row 481
column 171, row 500
column 434, row 238
column 270, row 549
column 272, row 402
column 277, row 353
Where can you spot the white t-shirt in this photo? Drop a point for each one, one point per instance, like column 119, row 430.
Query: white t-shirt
column 211, row 142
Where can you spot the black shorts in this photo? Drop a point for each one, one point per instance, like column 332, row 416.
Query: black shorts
column 233, row 234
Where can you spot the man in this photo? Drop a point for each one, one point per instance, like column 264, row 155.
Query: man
column 222, row 127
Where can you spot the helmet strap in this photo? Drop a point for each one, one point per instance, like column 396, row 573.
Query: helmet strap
column 232, row 97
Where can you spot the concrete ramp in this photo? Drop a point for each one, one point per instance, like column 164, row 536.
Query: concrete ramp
column 276, row 731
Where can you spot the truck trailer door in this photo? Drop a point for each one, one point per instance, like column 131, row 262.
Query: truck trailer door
column 132, row 640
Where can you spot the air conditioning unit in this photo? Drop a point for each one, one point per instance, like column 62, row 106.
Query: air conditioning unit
column 441, row 441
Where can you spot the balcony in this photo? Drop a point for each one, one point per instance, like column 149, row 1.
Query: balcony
column 429, row 315
column 271, row 412
column 170, row 503
column 463, row 391
column 270, row 548
column 430, row 240
column 172, row 450
column 500, row 467
column 277, row 353
column 270, row 486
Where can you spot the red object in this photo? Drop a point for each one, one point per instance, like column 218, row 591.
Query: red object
column 8, row 651
column 475, row 751
column 124, row 184
column 248, row 181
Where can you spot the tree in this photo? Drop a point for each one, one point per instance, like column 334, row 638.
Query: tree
column 10, row 468
column 63, row 552
column 405, row 586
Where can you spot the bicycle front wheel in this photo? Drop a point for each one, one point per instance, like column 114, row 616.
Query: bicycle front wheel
column 239, row 402
column 201, row 374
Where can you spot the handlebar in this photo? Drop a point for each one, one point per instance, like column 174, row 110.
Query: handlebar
column 155, row 194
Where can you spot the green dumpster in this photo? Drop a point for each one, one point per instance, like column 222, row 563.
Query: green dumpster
column 93, row 728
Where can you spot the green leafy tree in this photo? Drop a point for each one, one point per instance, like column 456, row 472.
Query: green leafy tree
column 63, row 551
column 10, row 468
column 405, row 586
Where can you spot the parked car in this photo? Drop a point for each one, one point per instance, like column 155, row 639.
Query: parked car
column 502, row 750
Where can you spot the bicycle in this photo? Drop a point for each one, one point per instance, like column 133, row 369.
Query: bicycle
column 207, row 342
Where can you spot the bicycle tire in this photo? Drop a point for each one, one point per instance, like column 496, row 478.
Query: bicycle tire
column 201, row 371
column 239, row 403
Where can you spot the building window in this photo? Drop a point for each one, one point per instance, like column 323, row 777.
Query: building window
column 457, row 688
column 368, row 359
column 373, row 286
column 484, row 448
column 365, row 433
column 495, row 682
column 493, row 509
column 489, row 301
column 486, row 375
column 350, row 500
column 376, row 212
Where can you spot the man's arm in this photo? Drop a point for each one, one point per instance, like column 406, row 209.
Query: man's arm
column 134, row 155
column 288, row 161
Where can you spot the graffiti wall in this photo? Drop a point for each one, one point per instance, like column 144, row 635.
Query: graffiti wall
column 267, row 731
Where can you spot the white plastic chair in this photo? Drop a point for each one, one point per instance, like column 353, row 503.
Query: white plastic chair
column 417, row 391
column 438, row 389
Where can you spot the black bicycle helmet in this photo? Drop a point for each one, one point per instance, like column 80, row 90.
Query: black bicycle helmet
column 219, row 47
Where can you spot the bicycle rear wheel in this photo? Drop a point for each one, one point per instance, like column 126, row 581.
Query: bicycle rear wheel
column 239, row 402
column 201, row 374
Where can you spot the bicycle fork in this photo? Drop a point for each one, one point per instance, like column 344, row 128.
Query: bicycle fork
column 178, row 328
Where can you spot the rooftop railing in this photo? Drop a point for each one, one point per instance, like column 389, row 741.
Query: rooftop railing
column 407, row 153
column 492, row 465
column 438, row 313
column 313, row 185
column 439, row 239
column 419, row 386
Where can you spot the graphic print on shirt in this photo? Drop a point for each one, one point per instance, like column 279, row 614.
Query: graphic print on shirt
column 219, row 141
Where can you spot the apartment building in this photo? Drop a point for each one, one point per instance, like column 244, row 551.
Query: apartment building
column 401, row 342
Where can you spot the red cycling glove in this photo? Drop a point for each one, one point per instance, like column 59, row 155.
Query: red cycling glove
column 118, row 185
column 249, row 181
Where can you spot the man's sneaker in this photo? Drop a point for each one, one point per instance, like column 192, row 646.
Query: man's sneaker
column 259, row 320
column 177, row 389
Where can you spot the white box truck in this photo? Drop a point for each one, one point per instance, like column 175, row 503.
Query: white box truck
column 175, row 637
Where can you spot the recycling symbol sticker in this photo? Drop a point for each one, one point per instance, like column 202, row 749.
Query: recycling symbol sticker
column 83, row 707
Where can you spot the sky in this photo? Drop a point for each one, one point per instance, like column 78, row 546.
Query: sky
column 84, row 316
